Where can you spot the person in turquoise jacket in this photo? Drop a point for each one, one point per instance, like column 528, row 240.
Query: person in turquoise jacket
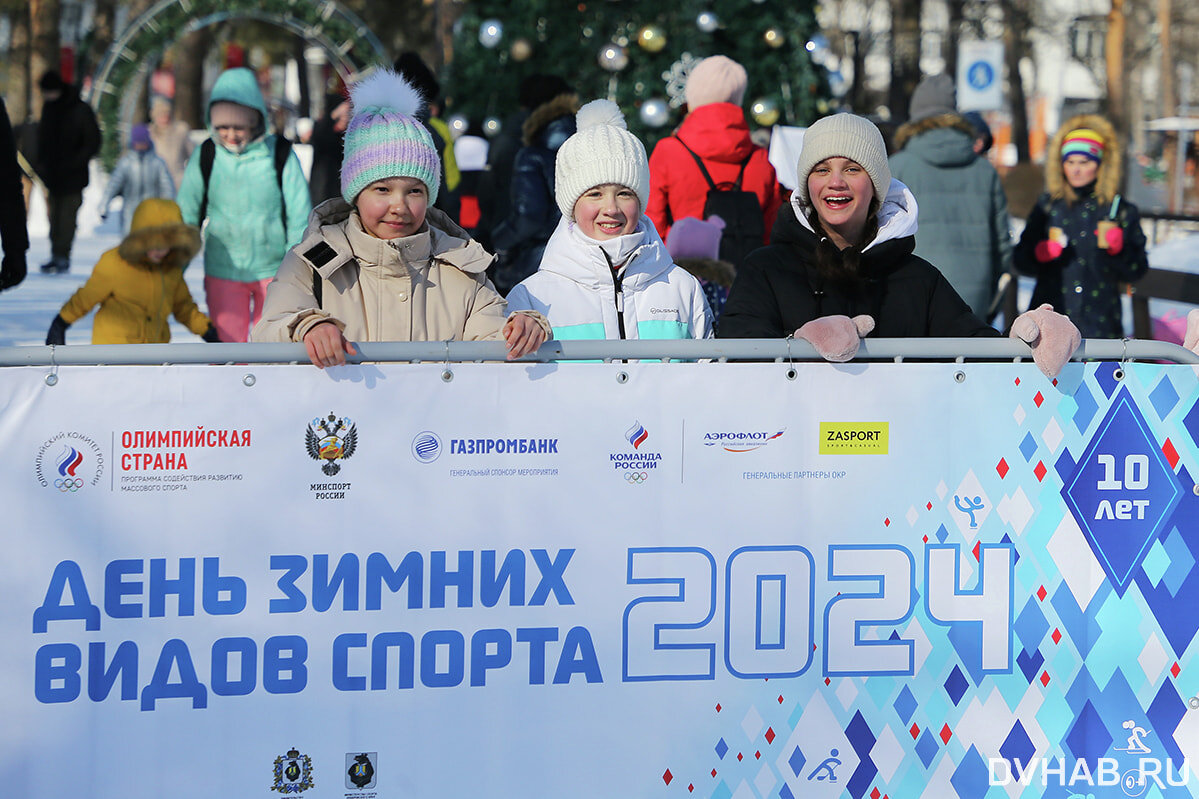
column 254, row 214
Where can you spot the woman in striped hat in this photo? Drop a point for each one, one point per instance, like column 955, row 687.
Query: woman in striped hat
column 1083, row 239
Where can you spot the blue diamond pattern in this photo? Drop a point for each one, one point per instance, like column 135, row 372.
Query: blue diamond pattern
column 1156, row 563
column 1164, row 398
column 1182, row 560
column 1017, row 746
column 956, row 685
column 1166, row 710
column 862, row 739
column 1105, row 377
column 1031, row 625
column 905, row 705
column 1081, row 627
column 970, row 777
column 1088, row 738
column 1028, row 447
column 1191, row 422
column 1087, row 406
column 785, row 793
column 942, row 534
column 1030, row 663
column 1121, row 543
column 721, row 749
column 796, row 761
column 926, row 747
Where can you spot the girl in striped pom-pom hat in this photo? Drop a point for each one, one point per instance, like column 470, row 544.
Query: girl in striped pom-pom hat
column 380, row 263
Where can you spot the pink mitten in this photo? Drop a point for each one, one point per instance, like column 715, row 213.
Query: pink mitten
column 1052, row 337
column 1115, row 240
column 836, row 338
column 1191, row 341
column 1047, row 251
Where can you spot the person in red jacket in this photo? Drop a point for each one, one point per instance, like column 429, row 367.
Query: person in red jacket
column 716, row 130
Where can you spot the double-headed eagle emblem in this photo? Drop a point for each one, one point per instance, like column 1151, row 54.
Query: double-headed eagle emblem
column 331, row 440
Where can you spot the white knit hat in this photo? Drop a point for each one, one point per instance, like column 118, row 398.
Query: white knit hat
column 846, row 136
column 602, row 151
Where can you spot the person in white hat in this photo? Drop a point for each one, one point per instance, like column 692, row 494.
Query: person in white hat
column 605, row 273
column 841, row 262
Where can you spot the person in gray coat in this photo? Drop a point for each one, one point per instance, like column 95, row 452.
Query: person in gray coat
column 964, row 224
column 139, row 175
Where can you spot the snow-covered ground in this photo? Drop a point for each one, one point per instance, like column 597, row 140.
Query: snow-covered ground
column 27, row 310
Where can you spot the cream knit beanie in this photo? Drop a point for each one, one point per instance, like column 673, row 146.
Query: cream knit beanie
column 846, row 136
column 602, row 151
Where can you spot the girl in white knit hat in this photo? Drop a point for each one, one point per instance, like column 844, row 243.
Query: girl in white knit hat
column 605, row 273
column 380, row 263
column 841, row 263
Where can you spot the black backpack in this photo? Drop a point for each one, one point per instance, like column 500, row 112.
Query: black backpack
column 744, row 224
column 208, row 155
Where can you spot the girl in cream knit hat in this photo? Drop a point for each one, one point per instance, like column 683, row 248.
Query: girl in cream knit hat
column 605, row 272
column 841, row 262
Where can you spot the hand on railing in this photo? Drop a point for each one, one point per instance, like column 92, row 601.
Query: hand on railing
column 836, row 338
column 1052, row 337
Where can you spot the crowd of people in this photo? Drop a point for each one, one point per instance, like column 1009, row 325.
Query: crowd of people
column 578, row 233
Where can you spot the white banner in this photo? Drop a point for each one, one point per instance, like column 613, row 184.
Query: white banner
column 911, row 580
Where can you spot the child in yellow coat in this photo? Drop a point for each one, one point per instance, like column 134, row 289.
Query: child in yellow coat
column 140, row 284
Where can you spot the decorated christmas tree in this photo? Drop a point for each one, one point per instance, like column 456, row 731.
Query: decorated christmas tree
column 637, row 52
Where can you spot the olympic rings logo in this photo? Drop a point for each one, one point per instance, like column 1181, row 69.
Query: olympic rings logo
column 636, row 477
column 71, row 484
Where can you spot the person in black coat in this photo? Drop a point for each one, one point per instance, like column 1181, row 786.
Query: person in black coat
column 841, row 265
column 13, row 233
column 533, row 212
column 67, row 139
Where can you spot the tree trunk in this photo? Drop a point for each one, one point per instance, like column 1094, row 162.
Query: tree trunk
column 18, row 93
column 905, row 56
column 1114, row 57
column 953, row 35
column 44, row 46
column 102, row 33
column 1015, row 49
column 189, row 77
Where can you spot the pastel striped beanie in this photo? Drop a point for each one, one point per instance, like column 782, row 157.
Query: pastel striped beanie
column 1083, row 141
column 385, row 139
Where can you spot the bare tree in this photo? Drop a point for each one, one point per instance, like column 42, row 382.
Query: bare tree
column 905, row 55
column 18, row 91
column 43, row 35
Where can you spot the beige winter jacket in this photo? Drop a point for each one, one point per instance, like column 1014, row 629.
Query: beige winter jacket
column 430, row 286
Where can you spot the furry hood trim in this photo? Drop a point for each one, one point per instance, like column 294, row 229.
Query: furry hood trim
column 1111, row 169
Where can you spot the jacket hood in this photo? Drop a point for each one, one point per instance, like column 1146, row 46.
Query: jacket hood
column 908, row 130
column 897, row 217
column 585, row 264
column 448, row 242
column 717, row 132
column 564, row 106
column 1111, row 169
column 946, row 140
column 238, row 85
column 158, row 224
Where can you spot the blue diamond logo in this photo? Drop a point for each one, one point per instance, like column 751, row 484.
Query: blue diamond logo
column 1121, row 491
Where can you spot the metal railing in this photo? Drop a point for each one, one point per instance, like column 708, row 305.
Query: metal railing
column 718, row 350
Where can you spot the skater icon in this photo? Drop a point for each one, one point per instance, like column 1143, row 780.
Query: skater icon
column 969, row 506
column 825, row 771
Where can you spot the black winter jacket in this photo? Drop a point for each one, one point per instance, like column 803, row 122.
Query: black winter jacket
column 67, row 138
column 778, row 288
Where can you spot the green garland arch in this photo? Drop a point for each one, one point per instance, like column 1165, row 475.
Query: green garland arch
column 345, row 38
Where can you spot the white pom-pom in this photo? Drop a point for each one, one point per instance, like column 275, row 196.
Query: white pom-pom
column 385, row 89
column 600, row 112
